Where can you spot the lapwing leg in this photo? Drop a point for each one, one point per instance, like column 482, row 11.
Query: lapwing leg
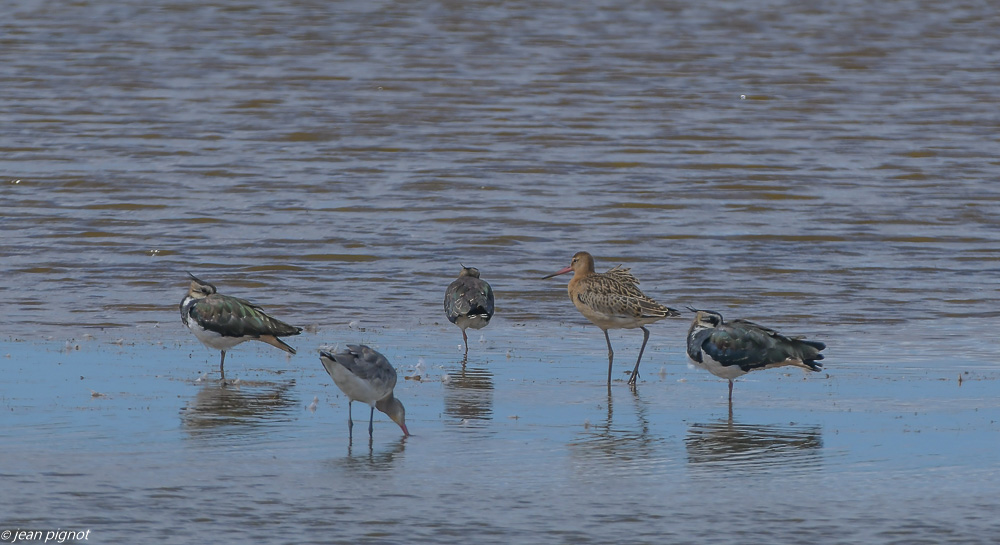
column 222, row 365
column 371, row 418
column 730, row 392
column 611, row 355
column 635, row 372
column 465, row 339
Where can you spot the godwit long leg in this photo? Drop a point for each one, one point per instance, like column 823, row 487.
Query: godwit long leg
column 611, row 355
column 635, row 372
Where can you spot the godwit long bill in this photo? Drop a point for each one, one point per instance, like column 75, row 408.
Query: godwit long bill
column 222, row 322
column 612, row 300
column 733, row 349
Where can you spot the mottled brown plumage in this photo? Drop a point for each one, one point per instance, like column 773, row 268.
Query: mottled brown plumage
column 612, row 300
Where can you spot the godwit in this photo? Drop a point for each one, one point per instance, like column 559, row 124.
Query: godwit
column 468, row 301
column 222, row 322
column 733, row 349
column 612, row 300
column 365, row 375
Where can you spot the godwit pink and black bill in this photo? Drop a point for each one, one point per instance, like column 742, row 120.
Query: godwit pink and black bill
column 468, row 302
column 612, row 300
column 365, row 375
column 222, row 322
column 733, row 349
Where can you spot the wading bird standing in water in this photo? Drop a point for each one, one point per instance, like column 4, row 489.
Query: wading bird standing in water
column 365, row 375
column 222, row 322
column 612, row 300
column 468, row 302
column 733, row 349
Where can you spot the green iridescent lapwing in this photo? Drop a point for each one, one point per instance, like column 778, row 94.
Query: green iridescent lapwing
column 732, row 349
column 222, row 322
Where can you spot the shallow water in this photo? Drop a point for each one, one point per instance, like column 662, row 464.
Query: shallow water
column 827, row 170
column 139, row 439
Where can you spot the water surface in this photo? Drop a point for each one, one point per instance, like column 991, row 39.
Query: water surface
column 134, row 439
column 828, row 170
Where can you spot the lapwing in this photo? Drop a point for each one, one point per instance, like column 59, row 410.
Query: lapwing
column 365, row 375
column 733, row 349
column 612, row 300
column 468, row 302
column 222, row 322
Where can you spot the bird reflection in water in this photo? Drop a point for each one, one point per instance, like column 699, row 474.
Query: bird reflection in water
column 360, row 460
column 728, row 444
column 468, row 393
column 246, row 404
column 630, row 447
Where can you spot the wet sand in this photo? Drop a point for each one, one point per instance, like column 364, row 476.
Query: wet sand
column 135, row 438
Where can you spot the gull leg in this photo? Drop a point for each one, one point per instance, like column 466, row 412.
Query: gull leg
column 350, row 422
